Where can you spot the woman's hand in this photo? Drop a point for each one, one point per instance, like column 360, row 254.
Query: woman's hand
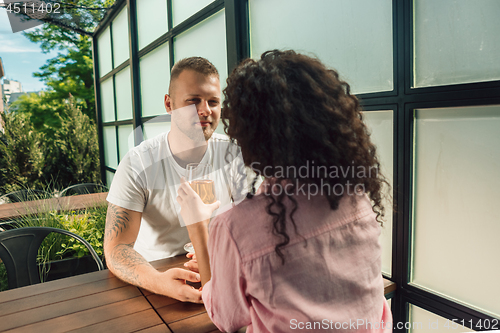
column 192, row 264
column 193, row 210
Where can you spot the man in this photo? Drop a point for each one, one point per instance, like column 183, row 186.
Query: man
column 143, row 222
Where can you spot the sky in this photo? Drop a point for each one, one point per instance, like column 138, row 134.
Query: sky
column 20, row 57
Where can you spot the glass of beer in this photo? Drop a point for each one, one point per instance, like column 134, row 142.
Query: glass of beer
column 198, row 177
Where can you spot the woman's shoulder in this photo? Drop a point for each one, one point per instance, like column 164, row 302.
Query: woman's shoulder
column 248, row 212
column 244, row 209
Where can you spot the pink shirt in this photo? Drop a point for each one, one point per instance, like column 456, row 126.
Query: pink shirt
column 331, row 283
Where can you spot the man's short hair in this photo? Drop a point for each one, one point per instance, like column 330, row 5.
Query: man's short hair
column 197, row 64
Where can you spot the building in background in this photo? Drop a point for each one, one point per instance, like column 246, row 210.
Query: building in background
column 428, row 77
column 10, row 87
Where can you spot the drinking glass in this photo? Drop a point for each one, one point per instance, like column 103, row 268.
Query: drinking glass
column 198, row 177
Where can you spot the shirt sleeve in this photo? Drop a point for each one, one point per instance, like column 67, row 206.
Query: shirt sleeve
column 224, row 295
column 128, row 188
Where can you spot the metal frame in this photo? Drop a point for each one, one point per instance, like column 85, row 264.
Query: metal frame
column 97, row 92
column 403, row 100
column 237, row 32
column 133, row 61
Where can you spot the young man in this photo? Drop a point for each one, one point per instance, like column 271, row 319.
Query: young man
column 143, row 222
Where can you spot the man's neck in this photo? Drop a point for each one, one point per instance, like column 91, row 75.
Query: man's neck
column 185, row 150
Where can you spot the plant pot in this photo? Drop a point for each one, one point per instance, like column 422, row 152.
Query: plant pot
column 67, row 267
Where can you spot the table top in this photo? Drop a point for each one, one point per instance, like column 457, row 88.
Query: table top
column 99, row 301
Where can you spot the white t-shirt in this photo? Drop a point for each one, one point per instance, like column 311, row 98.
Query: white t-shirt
column 147, row 181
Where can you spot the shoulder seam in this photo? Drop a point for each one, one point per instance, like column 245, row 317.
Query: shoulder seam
column 358, row 216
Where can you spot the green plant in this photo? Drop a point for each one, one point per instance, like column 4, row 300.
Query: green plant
column 21, row 153
column 3, row 277
column 88, row 224
column 59, row 155
column 78, row 143
column 90, row 227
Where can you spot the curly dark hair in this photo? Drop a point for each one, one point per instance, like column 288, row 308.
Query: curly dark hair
column 289, row 110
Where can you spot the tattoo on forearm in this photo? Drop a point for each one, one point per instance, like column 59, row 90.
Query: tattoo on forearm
column 125, row 260
column 116, row 221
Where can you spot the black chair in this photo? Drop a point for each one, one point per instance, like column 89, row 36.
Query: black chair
column 83, row 189
column 24, row 195
column 19, row 249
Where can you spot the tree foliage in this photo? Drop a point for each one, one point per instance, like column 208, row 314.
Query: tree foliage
column 50, row 138
column 20, row 152
column 71, row 71
column 32, row 159
column 45, row 112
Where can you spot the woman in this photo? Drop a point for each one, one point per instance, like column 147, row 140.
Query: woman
column 303, row 253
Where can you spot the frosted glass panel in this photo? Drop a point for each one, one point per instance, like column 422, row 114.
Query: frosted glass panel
column 109, row 178
column 155, row 78
column 455, row 204
column 125, row 139
column 456, row 41
column 107, row 100
column 119, row 28
column 104, row 52
column 123, row 94
column 353, row 37
column 380, row 124
column 151, row 20
column 110, row 158
column 153, row 129
column 182, row 9
column 206, row 39
column 422, row 321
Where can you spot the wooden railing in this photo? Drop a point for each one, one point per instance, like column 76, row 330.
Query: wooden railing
column 77, row 202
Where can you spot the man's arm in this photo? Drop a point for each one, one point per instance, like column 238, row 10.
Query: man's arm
column 122, row 228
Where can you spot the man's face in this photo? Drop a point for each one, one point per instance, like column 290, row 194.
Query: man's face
column 203, row 92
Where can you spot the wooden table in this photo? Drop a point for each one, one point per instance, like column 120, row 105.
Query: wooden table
column 100, row 302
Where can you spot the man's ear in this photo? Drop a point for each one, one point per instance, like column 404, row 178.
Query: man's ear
column 168, row 104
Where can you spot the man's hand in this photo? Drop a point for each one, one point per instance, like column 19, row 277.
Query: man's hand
column 174, row 282
column 193, row 263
